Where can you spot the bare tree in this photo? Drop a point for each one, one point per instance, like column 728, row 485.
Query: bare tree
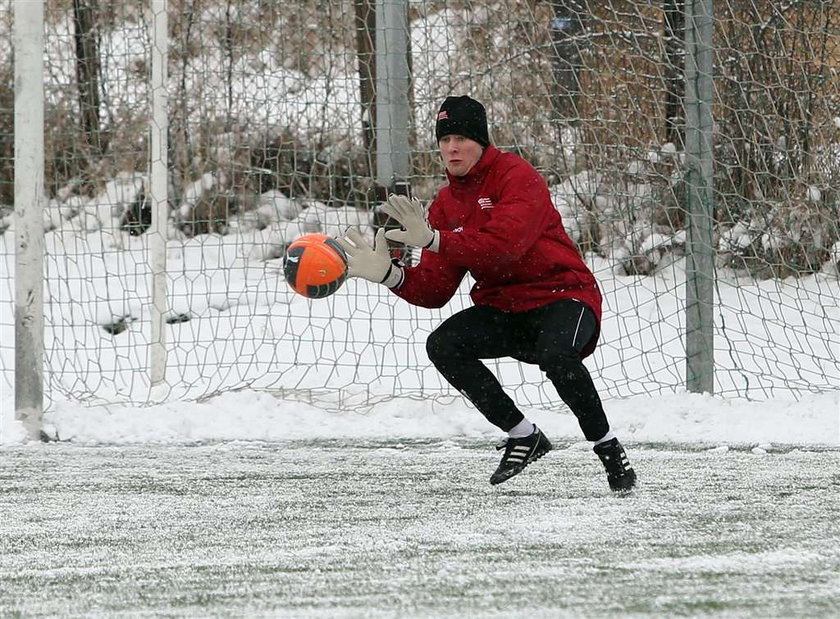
column 674, row 70
column 365, row 29
column 88, row 69
column 566, row 27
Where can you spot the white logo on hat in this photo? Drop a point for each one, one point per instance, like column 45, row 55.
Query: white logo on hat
column 443, row 115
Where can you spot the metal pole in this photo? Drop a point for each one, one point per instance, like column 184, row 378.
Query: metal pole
column 158, row 191
column 392, row 102
column 28, row 45
column 700, row 264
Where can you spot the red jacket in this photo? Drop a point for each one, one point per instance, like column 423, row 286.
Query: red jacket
column 498, row 224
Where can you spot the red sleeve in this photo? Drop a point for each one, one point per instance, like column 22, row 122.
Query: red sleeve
column 434, row 280
column 520, row 216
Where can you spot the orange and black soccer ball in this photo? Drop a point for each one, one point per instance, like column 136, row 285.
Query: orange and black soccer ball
column 315, row 265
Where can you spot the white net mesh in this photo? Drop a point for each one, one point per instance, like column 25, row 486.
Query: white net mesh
column 271, row 136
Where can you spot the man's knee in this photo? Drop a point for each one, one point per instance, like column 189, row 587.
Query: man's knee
column 559, row 360
column 438, row 346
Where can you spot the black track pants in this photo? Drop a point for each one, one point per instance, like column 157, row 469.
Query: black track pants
column 551, row 337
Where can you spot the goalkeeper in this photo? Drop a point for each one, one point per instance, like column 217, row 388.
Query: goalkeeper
column 535, row 300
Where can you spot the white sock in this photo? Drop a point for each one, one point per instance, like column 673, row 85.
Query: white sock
column 607, row 437
column 522, row 429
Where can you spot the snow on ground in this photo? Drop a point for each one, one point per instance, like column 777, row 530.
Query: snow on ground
column 358, row 528
column 259, row 416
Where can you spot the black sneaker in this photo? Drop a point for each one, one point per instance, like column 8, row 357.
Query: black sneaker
column 620, row 474
column 519, row 453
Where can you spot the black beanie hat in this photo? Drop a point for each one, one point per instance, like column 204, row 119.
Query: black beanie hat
column 462, row 116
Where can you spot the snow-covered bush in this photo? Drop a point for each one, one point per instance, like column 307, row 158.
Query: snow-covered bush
column 781, row 239
column 630, row 212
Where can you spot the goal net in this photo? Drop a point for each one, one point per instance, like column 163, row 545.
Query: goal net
column 271, row 134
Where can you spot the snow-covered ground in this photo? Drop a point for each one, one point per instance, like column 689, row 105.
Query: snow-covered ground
column 363, row 528
column 254, row 416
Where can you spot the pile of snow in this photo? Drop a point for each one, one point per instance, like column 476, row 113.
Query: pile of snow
column 259, row 416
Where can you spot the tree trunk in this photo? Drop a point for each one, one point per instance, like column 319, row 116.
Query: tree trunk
column 365, row 33
column 566, row 28
column 674, row 71
column 87, row 73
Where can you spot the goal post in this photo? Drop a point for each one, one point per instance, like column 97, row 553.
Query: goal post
column 28, row 43
column 158, row 193
column 700, row 254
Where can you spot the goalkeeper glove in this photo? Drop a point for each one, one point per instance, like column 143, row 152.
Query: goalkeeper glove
column 412, row 217
column 370, row 263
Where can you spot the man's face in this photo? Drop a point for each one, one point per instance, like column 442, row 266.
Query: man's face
column 459, row 154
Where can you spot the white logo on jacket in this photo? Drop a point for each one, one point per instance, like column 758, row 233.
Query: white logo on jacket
column 485, row 203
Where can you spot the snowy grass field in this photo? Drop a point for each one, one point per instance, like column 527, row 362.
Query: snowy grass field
column 367, row 527
column 215, row 497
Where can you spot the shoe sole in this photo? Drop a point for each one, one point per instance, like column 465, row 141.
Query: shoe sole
column 495, row 481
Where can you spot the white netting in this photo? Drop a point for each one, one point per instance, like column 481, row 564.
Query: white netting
column 270, row 137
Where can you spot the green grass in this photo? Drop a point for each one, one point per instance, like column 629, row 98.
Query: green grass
column 414, row 529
